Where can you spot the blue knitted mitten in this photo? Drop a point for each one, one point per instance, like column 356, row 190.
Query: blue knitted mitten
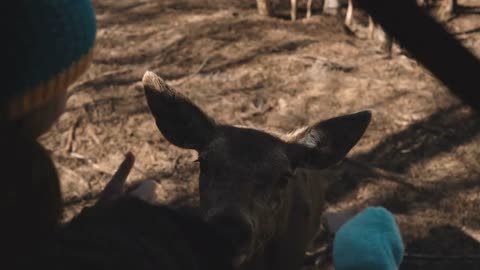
column 369, row 241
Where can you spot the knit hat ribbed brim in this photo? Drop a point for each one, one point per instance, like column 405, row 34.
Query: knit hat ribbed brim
column 52, row 46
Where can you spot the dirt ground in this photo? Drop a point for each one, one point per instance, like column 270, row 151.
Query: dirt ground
column 271, row 72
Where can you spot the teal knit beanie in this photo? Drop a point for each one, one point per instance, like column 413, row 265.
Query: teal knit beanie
column 51, row 45
column 369, row 241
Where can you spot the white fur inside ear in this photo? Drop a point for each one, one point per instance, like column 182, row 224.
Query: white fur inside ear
column 146, row 191
column 312, row 138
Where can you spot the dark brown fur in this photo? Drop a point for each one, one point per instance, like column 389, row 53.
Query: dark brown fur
column 128, row 233
column 265, row 192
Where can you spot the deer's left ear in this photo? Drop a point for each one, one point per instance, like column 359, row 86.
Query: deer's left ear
column 180, row 121
column 328, row 142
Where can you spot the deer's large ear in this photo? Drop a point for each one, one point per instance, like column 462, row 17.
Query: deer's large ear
column 180, row 121
column 327, row 142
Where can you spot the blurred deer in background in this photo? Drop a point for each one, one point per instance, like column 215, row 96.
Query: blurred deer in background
column 265, row 8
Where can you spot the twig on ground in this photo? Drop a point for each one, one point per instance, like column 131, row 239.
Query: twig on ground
column 92, row 134
column 70, row 171
column 91, row 162
column 416, row 256
column 142, row 172
column 188, row 77
column 81, row 84
column 71, row 136
column 105, row 171
column 388, row 175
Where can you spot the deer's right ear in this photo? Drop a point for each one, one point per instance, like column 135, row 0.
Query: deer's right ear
column 180, row 121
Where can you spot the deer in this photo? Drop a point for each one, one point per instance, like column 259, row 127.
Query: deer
column 124, row 229
column 264, row 189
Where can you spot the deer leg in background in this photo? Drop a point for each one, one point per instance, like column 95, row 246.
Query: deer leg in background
column 349, row 15
column 447, row 10
column 371, row 27
column 387, row 44
column 293, row 10
column 264, row 7
column 309, row 9
column 386, row 40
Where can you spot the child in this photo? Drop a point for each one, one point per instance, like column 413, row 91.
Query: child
column 50, row 47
